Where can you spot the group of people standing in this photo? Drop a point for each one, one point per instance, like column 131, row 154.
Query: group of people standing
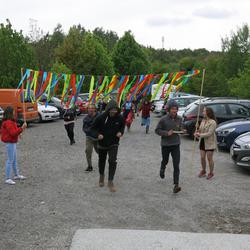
column 104, row 130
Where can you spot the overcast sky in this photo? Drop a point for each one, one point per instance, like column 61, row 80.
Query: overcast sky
column 183, row 23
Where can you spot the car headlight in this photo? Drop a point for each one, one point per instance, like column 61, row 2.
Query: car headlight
column 247, row 146
column 226, row 131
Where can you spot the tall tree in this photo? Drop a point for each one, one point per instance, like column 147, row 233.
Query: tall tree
column 129, row 57
column 15, row 53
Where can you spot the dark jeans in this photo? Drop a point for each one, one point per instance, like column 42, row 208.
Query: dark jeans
column 112, row 153
column 175, row 153
column 70, row 130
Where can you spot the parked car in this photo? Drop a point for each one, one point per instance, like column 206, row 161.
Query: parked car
column 56, row 102
column 227, row 132
column 224, row 110
column 21, row 105
column 47, row 113
column 182, row 102
column 240, row 151
column 157, row 106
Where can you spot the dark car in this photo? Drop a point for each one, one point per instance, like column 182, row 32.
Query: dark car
column 224, row 110
column 240, row 151
column 227, row 132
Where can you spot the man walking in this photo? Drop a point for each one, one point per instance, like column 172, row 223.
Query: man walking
column 91, row 135
column 168, row 128
column 110, row 127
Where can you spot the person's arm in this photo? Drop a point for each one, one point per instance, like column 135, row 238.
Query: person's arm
column 161, row 131
column 210, row 132
column 13, row 130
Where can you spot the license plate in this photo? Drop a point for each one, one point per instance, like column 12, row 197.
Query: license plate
column 30, row 109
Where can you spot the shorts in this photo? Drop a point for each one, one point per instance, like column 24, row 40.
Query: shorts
column 202, row 146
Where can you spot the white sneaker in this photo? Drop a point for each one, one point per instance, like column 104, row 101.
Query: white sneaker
column 19, row 177
column 10, row 182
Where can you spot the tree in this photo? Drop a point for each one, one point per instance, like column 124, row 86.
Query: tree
column 239, row 86
column 235, row 52
column 107, row 38
column 68, row 52
column 129, row 57
column 15, row 53
column 94, row 58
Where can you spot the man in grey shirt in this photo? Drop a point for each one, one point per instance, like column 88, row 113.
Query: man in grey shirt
column 168, row 128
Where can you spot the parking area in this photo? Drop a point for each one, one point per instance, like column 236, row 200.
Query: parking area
column 59, row 198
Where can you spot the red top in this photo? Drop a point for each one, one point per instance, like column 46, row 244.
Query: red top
column 146, row 108
column 10, row 131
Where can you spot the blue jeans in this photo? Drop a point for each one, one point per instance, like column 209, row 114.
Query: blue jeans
column 11, row 162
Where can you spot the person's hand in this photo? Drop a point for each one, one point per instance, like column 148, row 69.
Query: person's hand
column 197, row 134
column 24, row 126
column 184, row 131
column 100, row 137
column 119, row 134
column 170, row 132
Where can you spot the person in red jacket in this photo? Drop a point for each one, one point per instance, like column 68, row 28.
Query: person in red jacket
column 146, row 108
column 10, row 133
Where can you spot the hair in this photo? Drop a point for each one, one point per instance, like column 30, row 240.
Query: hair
column 210, row 113
column 91, row 105
column 8, row 114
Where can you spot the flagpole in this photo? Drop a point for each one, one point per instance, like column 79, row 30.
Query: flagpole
column 23, row 104
column 198, row 116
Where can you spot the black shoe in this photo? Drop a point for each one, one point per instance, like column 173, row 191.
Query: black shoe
column 176, row 189
column 89, row 169
column 72, row 142
column 162, row 173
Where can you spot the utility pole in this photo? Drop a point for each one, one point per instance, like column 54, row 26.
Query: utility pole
column 163, row 41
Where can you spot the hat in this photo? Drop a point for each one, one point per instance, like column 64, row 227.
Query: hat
column 172, row 104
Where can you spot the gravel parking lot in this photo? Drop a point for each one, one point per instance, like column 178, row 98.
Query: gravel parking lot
column 59, row 197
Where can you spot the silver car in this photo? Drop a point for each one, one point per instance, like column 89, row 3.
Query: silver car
column 240, row 150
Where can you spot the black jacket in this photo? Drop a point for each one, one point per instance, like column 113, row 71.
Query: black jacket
column 87, row 127
column 109, row 126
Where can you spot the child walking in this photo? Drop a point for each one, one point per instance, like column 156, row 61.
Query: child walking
column 10, row 133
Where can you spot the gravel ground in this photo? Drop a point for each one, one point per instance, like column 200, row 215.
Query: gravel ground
column 58, row 197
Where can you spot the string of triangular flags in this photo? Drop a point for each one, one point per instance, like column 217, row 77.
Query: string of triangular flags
column 36, row 84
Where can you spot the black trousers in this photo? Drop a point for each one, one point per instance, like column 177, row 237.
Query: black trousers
column 175, row 153
column 70, row 130
column 112, row 153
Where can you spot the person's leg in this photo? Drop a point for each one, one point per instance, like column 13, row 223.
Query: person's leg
column 147, row 124
column 67, row 130
column 113, row 151
column 165, row 157
column 203, row 163
column 88, row 152
column 9, row 161
column 101, row 164
column 71, row 132
column 210, row 163
column 175, row 153
column 14, row 166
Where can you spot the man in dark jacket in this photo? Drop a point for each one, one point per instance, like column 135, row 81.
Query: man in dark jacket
column 110, row 127
column 91, row 135
column 168, row 128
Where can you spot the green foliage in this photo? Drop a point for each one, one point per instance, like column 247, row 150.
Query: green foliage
column 15, row 53
column 101, row 52
column 240, row 86
column 129, row 57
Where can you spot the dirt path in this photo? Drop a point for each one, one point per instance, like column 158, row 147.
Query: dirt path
column 59, row 197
